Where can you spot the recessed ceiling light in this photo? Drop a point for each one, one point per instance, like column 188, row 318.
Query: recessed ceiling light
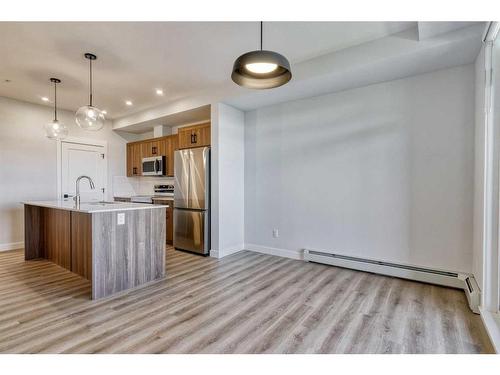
column 128, row 102
column 159, row 92
column 104, row 112
column 45, row 99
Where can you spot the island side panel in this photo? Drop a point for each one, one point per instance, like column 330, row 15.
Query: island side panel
column 47, row 235
column 57, row 236
column 128, row 255
column 33, row 232
column 81, row 244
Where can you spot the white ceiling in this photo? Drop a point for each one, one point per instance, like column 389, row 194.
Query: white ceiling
column 190, row 116
column 430, row 47
column 399, row 55
column 182, row 58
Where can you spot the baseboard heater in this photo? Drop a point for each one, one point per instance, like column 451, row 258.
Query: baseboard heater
column 427, row 275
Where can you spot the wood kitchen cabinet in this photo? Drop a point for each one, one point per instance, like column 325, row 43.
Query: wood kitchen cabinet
column 134, row 159
column 167, row 146
column 169, row 217
column 187, row 137
column 151, row 148
column 170, row 223
column 194, row 136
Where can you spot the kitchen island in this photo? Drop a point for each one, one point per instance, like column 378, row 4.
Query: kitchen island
column 117, row 246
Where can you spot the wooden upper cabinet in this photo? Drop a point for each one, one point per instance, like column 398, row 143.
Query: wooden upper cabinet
column 167, row 146
column 164, row 146
column 194, row 136
column 150, row 148
column 171, row 144
column 134, row 159
column 188, row 137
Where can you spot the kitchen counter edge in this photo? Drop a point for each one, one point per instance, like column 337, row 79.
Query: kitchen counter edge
column 85, row 207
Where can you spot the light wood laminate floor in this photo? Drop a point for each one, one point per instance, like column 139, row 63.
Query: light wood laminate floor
column 243, row 303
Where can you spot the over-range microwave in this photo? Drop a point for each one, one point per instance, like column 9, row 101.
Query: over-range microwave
column 154, row 166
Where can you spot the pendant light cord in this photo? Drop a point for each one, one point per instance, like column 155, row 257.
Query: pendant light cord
column 261, row 35
column 90, row 82
column 55, row 101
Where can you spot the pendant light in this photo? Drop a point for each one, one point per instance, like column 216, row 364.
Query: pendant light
column 89, row 117
column 261, row 69
column 56, row 129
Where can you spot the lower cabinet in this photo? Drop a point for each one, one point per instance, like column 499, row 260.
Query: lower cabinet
column 170, row 224
column 169, row 219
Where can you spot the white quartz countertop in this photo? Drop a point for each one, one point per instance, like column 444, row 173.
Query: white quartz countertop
column 90, row 207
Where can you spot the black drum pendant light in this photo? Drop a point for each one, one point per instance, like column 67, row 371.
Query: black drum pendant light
column 261, row 69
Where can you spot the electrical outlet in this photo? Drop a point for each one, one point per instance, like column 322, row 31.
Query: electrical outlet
column 120, row 218
column 276, row 233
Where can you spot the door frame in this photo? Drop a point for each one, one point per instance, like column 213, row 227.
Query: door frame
column 81, row 141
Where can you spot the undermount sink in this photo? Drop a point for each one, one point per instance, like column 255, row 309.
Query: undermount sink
column 101, row 203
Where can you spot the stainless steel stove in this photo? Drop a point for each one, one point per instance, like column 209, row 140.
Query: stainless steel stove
column 160, row 191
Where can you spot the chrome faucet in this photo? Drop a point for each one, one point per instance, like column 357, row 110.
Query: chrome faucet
column 76, row 198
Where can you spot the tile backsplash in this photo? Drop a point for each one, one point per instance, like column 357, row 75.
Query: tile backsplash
column 124, row 186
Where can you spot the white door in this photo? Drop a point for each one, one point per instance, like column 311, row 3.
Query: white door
column 83, row 160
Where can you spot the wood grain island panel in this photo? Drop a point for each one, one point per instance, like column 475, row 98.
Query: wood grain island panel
column 113, row 256
column 128, row 255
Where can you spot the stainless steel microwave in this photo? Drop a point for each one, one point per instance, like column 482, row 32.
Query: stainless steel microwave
column 154, row 166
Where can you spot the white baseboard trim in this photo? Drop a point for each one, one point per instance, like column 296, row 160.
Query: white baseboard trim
column 452, row 279
column 460, row 280
column 11, row 246
column 412, row 272
column 221, row 253
column 286, row 253
column 491, row 322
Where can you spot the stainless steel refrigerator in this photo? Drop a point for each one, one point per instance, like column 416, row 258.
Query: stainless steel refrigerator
column 192, row 200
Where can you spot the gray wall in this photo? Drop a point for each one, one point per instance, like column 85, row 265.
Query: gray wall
column 384, row 171
column 28, row 160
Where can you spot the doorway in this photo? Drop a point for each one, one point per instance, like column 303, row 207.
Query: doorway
column 77, row 157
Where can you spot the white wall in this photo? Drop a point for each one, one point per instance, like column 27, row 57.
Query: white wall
column 479, row 148
column 384, row 171
column 228, row 180
column 23, row 143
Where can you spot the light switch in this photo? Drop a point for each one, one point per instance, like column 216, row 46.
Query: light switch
column 121, row 218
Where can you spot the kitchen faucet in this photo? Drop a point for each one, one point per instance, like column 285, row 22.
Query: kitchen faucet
column 76, row 198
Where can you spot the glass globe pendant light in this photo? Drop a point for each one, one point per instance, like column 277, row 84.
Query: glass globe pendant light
column 89, row 117
column 56, row 129
column 261, row 69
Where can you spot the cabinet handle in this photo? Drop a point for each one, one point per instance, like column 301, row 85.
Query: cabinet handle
column 134, row 170
column 192, row 138
column 195, row 138
column 153, row 150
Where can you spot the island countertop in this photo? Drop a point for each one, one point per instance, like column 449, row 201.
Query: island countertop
column 91, row 207
column 116, row 246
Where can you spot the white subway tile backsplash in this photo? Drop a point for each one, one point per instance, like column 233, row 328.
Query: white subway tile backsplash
column 128, row 186
column 146, row 184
